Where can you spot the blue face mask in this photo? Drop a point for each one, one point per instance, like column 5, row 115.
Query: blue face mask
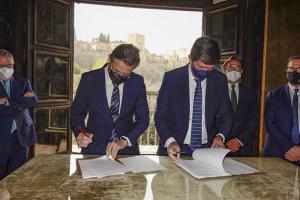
column 200, row 74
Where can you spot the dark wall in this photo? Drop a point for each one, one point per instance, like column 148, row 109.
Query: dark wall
column 283, row 39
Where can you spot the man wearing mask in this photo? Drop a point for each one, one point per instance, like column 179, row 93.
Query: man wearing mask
column 16, row 126
column 193, row 107
column 282, row 116
column 245, row 110
column 115, row 100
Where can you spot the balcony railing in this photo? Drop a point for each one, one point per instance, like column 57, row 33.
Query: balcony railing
column 150, row 136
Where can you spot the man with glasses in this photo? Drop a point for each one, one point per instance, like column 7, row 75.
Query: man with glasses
column 245, row 110
column 282, row 116
column 115, row 100
column 193, row 107
column 16, row 126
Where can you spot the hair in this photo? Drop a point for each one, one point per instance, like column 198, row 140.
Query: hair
column 128, row 53
column 232, row 58
column 296, row 57
column 4, row 52
column 207, row 50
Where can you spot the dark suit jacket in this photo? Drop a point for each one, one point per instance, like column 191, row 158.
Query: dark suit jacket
column 279, row 122
column 173, row 106
column 91, row 99
column 18, row 110
column 245, row 120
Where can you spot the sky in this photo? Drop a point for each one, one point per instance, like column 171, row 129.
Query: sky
column 164, row 30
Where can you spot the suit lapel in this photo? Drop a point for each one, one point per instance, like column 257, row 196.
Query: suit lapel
column 103, row 96
column 128, row 91
column 287, row 100
column 184, row 91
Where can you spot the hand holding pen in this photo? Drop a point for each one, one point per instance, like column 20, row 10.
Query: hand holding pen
column 84, row 138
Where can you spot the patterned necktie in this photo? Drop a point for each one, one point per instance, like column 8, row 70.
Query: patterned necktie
column 6, row 87
column 233, row 98
column 196, row 131
column 295, row 129
column 114, row 109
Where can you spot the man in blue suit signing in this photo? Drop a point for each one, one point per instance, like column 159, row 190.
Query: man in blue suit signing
column 193, row 106
column 282, row 117
column 115, row 100
column 16, row 126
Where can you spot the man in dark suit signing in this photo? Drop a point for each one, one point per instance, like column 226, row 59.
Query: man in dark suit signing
column 193, row 107
column 115, row 100
column 16, row 127
column 245, row 110
column 282, row 116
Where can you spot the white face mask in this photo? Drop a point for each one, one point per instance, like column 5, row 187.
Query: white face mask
column 233, row 75
column 6, row 73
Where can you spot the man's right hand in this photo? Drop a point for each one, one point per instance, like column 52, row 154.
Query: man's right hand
column 3, row 101
column 174, row 151
column 83, row 141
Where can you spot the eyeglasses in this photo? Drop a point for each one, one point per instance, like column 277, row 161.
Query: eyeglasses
column 9, row 66
column 292, row 69
column 124, row 75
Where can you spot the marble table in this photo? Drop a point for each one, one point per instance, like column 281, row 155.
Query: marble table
column 57, row 177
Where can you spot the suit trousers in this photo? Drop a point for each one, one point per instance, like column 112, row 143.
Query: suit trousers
column 12, row 153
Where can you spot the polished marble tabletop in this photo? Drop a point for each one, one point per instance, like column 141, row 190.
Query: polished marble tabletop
column 57, row 177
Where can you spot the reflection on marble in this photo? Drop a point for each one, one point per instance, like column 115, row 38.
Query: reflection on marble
column 56, row 177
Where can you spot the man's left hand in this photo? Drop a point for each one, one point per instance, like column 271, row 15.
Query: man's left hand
column 218, row 142
column 113, row 148
column 233, row 145
column 293, row 154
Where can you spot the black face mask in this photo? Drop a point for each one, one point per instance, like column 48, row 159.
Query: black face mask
column 115, row 77
column 293, row 77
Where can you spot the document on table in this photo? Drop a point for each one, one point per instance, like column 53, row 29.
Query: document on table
column 138, row 164
column 101, row 167
column 210, row 162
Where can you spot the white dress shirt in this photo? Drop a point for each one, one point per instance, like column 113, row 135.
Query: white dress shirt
column 109, row 87
column 292, row 92
column 192, row 89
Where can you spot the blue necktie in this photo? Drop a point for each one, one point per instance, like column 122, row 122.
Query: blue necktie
column 114, row 109
column 295, row 129
column 7, row 89
column 196, row 131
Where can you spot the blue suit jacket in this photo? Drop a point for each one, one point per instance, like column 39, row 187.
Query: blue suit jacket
column 91, row 98
column 245, row 120
column 18, row 110
column 279, row 122
column 173, row 106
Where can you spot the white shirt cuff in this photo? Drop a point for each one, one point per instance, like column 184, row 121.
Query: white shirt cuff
column 128, row 141
column 239, row 141
column 222, row 136
column 169, row 141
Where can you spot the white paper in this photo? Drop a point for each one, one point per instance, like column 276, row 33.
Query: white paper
column 101, row 167
column 200, row 169
column 138, row 164
column 236, row 168
column 210, row 162
column 211, row 156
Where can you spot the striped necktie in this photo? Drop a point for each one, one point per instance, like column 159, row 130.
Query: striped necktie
column 114, row 109
column 196, row 131
column 295, row 128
